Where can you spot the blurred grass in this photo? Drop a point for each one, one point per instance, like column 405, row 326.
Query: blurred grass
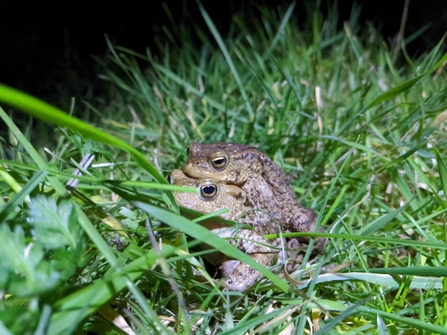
column 362, row 135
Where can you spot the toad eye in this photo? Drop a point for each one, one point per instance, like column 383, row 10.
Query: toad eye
column 169, row 178
column 208, row 191
column 187, row 151
column 219, row 162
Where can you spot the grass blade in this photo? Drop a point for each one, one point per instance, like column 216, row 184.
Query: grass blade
column 53, row 115
column 227, row 56
column 202, row 234
column 20, row 197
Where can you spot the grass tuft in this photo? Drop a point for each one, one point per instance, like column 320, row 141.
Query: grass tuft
column 93, row 240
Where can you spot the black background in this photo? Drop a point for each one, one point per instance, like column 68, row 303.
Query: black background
column 41, row 41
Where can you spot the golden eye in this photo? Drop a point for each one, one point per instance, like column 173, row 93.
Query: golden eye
column 208, row 191
column 219, row 162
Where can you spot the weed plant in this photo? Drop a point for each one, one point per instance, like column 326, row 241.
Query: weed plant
column 106, row 251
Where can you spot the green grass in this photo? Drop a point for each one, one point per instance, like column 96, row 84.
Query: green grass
column 363, row 136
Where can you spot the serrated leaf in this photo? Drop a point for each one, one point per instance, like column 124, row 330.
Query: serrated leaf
column 53, row 226
column 25, row 272
column 82, row 303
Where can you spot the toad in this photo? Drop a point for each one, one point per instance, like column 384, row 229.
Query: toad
column 214, row 195
column 263, row 180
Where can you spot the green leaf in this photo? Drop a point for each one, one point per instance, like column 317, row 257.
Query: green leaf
column 281, row 30
column 227, row 56
column 244, row 327
column 75, row 307
column 384, row 277
column 381, row 222
column 392, row 93
column 59, row 187
column 408, row 321
column 54, row 226
column 403, row 87
column 339, row 318
column 7, row 211
column 403, row 157
column 442, row 171
column 24, row 270
column 53, row 115
column 397, row 241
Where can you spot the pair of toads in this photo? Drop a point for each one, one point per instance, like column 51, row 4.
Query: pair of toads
column 256, row 192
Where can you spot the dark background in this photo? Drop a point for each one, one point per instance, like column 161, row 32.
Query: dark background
column 46, row 42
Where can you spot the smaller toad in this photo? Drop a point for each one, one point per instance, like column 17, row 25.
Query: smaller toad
column 214, row 195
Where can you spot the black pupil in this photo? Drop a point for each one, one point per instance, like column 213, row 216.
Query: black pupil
column 187, row 151
column 219, row 161
column 209, row 189
column 169, row 179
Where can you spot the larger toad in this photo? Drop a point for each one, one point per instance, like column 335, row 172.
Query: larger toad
column 213, row 195
column 237, row 164
column 263, row 180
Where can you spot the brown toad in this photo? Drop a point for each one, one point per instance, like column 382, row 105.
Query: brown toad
column 263, row 180
column 214, row 195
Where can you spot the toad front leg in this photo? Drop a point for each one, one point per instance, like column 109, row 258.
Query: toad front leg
column 239, row 276
column 301, row 219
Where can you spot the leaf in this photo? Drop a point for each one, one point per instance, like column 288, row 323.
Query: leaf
column 403, row 157
column 7, row 211
column 387, row 280
column 339, row 318
column 381, row 326
column 408, row 321
column 24, row 269
column 395, row 91
column 405, row 86
column 227, row 56
column 244, row 327
column 53, row 115
column 53, row 226
column 280, row 31
column 381, row 222
column 56, row 183
column 78, row 305
column 442, row 171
